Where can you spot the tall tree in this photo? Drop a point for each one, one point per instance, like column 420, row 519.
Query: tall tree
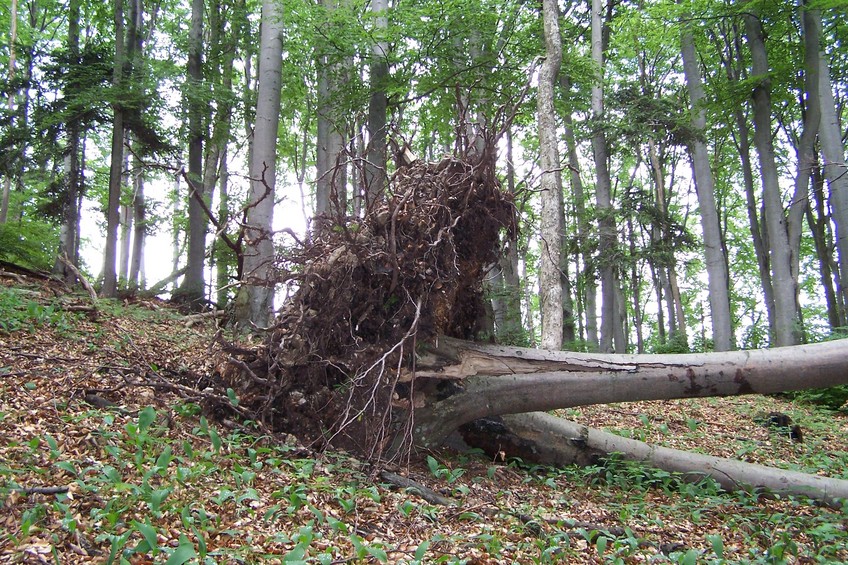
column 551, row 183
column 586, row 287
column 716, row 261
column 835, row 169
column 256, row 294
column 612, row 327
column 787, row 324
column 124, row 52
column 70, row 214
column 375, row 165
column 330, row 172
column 13, row 38
column 193, row 288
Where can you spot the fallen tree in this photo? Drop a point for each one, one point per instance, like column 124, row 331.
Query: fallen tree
column 492, row 380
column 357, row 360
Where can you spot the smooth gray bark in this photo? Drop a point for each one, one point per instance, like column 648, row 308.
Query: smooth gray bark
column 255, row 298
column 562, row 442
column 611, row 324
column 135, row 280
column 330, row 174
column 375, row 164
column 787, row 324
column 110, row 274
column 551, row 183
column 835, row 170
column 501, row 380
column 811, row 33
column 717, row 278
column 192, row 290
column 70, row 213
column 13, row 39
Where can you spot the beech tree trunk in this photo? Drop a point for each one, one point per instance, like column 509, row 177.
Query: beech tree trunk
column 496, row 380
column 787, row 324
column 256, row 295
column 716, row 262
column 551, row 185
column 375, row 164
column 835, row 170
column 193, row 288
column 611, row 338
column 561, row 442
column 110, row 274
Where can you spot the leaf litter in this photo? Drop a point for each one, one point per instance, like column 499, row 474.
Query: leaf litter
column 107, row 453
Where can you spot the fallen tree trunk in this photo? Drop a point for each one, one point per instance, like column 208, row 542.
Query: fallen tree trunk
column 489, row 380
column 555, row 441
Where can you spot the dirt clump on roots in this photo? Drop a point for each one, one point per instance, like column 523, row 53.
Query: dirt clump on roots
column 367, row 290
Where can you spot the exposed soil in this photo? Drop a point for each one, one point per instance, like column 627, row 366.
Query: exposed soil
column 366, row 291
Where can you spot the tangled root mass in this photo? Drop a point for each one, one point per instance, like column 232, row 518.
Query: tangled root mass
column 367, row 289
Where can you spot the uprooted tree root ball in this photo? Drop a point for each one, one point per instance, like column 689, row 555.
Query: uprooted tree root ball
column 367, row 290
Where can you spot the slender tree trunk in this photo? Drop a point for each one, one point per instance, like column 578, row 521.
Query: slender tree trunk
column 731, row 55
column 256, row 295
column 176, row 248
column 835, row 171
column 193, row 288
column 635, row 283
column 507, row 303
column 787, row 330
column 587, row 277
column 70, row 213
column 806, row 149
column 126, row 221
column 666, row 265
column 135, row 280
column 13, row 39
column 110, row 275
column 223, row 254
column 375, row 166
column 818, row 223
column 610, row 322
column 551, row 184
column 716, row 261
column 331, row 171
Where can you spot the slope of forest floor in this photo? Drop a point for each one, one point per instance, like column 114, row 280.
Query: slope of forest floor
column 107, row 454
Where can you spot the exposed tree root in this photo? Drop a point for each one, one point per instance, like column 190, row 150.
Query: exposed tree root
column 366, row 291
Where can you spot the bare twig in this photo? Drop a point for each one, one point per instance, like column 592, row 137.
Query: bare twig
column 83, row 281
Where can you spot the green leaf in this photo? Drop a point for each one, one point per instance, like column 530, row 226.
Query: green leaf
column 216, row 440
column 378, row 553
column 718, row 545
column 231, row 394
column 182, row 554
column 601, row 544
column 150, row 539
column 145, row 418
column 690, row 557
column 421, row 551
column 296, row 555
column 165, row 458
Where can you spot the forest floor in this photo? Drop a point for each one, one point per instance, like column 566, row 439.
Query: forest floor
column 106, row 455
